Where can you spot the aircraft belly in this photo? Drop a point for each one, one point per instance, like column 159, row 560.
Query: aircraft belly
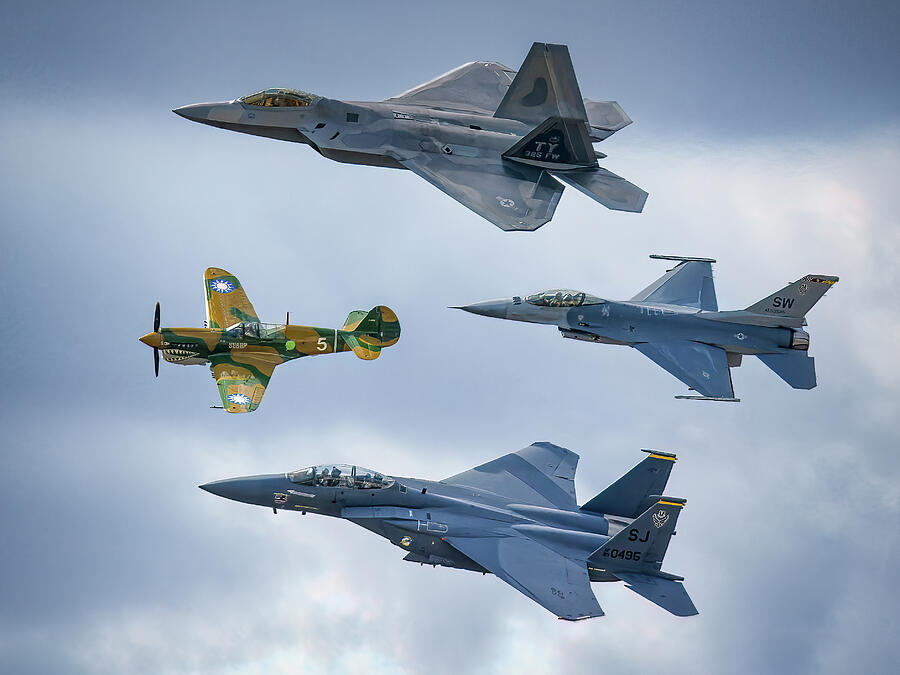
column 360, row 158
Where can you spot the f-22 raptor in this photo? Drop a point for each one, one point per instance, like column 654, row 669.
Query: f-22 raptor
column 496, row 140
column 242, row 352
column 515, row 517
column 677, row 324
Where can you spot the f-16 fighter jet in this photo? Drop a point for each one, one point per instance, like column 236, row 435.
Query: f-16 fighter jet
column 675, row 322
column 515, row 517
column 496, row 140
column 242, row 352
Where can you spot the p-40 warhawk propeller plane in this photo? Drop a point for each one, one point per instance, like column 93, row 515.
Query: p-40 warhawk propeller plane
column 675, row 322
column 496, row 140
column 243, row 353
column 515, row 517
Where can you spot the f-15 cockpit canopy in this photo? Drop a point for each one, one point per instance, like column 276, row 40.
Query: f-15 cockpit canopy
column 280, row 98
column 341, row 475
column 563, row 298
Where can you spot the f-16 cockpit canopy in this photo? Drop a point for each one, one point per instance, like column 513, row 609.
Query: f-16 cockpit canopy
column 563, row 298
column 341, row 475
column 280, row 98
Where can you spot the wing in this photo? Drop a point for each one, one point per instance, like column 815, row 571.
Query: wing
column 477, row 87
column 553, row 581
column 689, row 283
column 512, row 196
column 242, row 379
column 699, row 366
column 226, row 301
column 542, row 474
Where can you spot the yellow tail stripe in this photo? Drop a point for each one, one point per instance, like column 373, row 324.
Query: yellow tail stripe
column 669, row 503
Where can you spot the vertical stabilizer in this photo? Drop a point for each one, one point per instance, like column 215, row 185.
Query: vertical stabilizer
column 545, row 86
column 630, row 496
column 796, row 299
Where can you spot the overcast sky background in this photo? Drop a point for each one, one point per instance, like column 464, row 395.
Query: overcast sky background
column 768, row 137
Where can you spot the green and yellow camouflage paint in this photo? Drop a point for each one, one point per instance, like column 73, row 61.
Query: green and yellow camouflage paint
column 243, row 352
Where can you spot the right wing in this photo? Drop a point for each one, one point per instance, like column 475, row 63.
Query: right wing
column 477, row 87
column 700, row 366
column 242, row 379
column 555, row 582
column 226, row 301
column 689, row 283
column 542, row 474
column 512, row 196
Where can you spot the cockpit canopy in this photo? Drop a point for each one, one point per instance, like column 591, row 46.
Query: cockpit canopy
column 563, row 298
column 341, row 475
column 255, row 330
column 280, row 98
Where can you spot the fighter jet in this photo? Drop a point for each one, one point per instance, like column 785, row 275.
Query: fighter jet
column 494, row 139
column 675, row 322
column 515, row 517
column 243, row 353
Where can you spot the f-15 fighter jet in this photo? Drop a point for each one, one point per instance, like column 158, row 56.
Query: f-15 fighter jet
column 515, row 517
column 243, row 353
column 675, row 322
column 494, row 139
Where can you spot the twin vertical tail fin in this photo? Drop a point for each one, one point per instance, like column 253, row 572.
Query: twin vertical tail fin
column 635, row 556
column 630, row 496
column 368, row 332
column 796, row 299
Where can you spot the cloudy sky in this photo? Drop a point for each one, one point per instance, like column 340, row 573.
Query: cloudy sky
column 768, row 138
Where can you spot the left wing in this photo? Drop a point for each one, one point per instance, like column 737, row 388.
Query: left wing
column 512, row 196
column 476, row 87
column 700, row 366
column 689, row 283
column 242, row 379
column 226, row 301
column 542, row 474
column 554, row 581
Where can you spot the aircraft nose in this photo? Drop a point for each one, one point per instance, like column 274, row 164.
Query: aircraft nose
column 248, row 489
column 198, row 112
column 499, row 309
column 152, row 340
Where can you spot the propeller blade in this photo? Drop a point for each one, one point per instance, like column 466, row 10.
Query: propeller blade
column 156, row 361
column 156, row 319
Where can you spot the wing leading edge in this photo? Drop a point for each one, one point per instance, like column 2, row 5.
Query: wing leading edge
column 555, row 582
column 542, row 474
column 700, row 366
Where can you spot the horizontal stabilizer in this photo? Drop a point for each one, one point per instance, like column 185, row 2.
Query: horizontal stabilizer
column 545, row 86
column 634, row 492
column 667, row 593
column 795, row 368
column 605, row 118
column 605, row 187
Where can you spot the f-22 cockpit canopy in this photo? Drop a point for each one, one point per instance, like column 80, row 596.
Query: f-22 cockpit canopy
column 563, row 298
column 341, row 475
column 280, row 98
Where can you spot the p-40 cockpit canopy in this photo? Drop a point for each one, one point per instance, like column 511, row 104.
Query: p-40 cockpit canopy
column 254, row 329
column 563, row 298
column 341, row 475
column 280, row 98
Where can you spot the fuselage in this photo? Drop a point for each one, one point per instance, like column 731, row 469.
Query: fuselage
column 195, row 346
column 630, row 323
column 366, row 132
column 416, row 514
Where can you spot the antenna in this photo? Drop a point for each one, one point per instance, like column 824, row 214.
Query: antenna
column 287, row 319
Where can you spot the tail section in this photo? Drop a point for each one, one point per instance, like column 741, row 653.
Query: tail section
column 636, row 553
column 545, row 86
column 641, row 546
column 796, row 299
column 795, row 368
column 638, row 489
column 368, row 332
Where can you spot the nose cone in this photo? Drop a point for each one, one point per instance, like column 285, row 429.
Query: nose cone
column 499, row 309
column 258, row 490
column 197, row 112
column 210, row 113
column 152, row 340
